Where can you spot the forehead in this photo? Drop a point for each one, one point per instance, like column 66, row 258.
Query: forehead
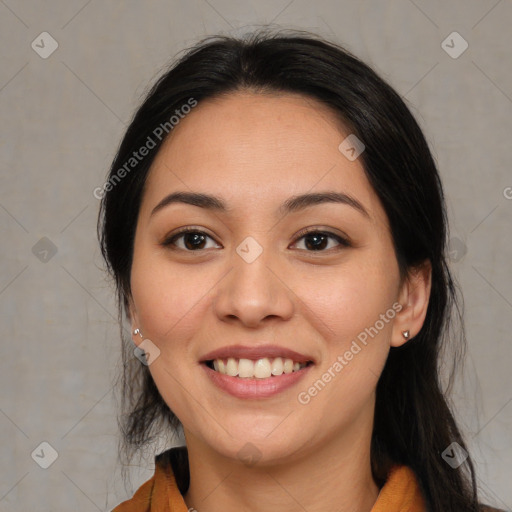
column 255, row 150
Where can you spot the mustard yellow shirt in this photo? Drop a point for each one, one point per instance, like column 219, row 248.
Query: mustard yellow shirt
column 161, row 493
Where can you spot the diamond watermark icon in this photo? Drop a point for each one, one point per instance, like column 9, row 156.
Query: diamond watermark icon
column 249, row 454
column 457, row 249
column 249, row 250
column 146, row 352
column 351, row 147
column 44, row 45
column 44, row 250
column 44, row 455
column 454, row 455
column 454, row 45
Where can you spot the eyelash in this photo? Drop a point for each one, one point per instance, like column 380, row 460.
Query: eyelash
column 170, row 241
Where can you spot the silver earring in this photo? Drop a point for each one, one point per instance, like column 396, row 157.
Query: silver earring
column 406, row 334
column 137, row 331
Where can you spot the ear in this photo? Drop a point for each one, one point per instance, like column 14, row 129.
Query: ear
column 414, row 298
column 133, row 319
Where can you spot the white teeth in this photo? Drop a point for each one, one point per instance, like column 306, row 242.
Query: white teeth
column 232, row 367
column 277, row 366
column 260, row 369
column 245, row 368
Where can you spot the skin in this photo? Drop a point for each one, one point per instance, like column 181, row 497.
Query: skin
column 255, row 151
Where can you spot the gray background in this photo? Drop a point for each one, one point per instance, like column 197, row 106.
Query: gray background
column 62, row 118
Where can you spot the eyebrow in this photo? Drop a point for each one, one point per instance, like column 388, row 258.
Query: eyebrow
column 292, row 204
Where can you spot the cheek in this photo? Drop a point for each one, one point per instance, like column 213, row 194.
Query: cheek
column 168, row 303
column 350, row 300
column 166, row 297
column 353, row 310
column 348, row 312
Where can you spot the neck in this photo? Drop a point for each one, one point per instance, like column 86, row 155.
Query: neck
column 334, row 476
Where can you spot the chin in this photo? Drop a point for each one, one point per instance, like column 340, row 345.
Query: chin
column 253, row 448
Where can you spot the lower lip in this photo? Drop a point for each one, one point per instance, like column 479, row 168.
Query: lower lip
column 255, row 388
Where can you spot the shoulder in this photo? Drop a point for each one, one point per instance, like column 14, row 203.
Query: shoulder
column 142, row 498
column 174, row 461
column 170, row 480
column 486, row 508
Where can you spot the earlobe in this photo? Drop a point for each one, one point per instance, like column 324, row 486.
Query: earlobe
column 133, row 318
column 414, row 299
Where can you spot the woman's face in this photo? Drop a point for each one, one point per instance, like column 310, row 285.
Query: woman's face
column 249, row 278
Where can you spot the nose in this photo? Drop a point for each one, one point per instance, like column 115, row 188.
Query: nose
column 253, row 292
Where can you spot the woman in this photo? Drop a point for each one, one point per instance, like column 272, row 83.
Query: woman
column 275, row 225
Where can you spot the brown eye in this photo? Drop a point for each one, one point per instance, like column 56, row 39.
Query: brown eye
column 315, row 240
column 193, row 240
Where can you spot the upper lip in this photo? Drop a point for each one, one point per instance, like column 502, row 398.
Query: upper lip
column 255, row 353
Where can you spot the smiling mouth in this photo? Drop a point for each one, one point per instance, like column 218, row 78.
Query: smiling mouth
column 256, row 369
